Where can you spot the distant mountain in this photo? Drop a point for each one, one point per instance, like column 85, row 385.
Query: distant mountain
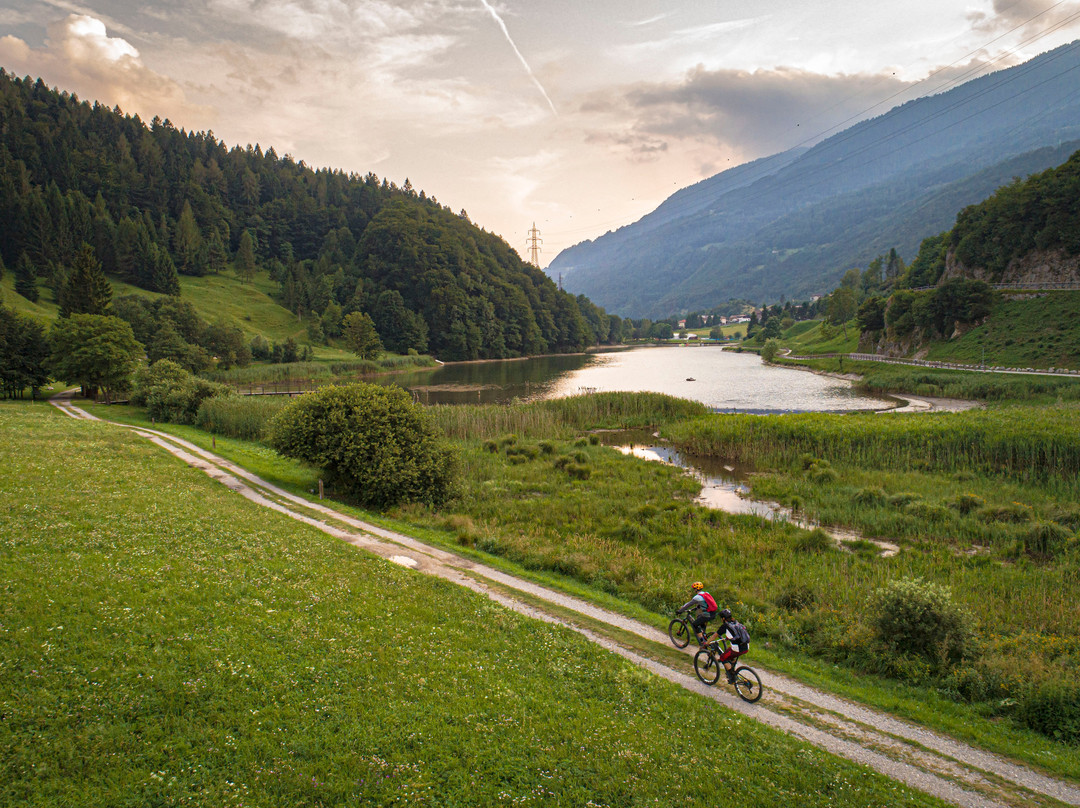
column 791, row 224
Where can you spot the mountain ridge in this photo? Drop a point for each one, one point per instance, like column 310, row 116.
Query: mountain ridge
column 758, row 239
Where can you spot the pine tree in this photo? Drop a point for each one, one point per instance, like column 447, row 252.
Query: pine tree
column 245, row 257
column 217, row 257
column 26, row 278
column 86, row 289
column 188, row 244
column 359, row 332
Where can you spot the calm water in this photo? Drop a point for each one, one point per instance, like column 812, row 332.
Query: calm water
column 722, row 380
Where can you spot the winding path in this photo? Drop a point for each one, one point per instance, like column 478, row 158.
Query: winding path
column 920, row 758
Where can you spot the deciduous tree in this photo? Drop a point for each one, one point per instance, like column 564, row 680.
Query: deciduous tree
column 95, row 350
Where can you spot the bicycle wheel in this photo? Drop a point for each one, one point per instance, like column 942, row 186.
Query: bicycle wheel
column 748, row 684
column 679, row 633
column 707, row 667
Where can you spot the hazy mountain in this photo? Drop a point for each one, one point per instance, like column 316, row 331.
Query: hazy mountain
column 791, row 224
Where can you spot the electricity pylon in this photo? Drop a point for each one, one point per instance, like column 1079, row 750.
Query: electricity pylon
column 534, row 241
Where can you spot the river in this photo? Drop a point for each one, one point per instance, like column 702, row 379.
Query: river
column 723, row 380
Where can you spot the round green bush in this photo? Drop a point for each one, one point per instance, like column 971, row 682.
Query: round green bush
column 920, row 618
column 373, row 442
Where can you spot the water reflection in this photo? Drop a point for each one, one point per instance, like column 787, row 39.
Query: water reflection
column 723, row 484
column 496, row 382
column 724, row 487
column 722, row 380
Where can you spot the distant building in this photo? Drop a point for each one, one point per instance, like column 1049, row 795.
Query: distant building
column 682, row 323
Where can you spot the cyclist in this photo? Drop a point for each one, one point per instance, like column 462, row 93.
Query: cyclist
column 706, row 607
column 739, row 638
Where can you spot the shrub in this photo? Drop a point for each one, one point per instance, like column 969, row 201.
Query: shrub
column 903, row 499
column 913, row 616
column 1046, row 539
column 372, row 441
column 870, row 496
column 171, row 393
column 578, row 472
column 1013, row 513
column 928, row 511
column 768, row 352
column 967, row 503
column 1052, row 708
column 547, row 447
column 524, row 452
column 594, row 440
column 814, row 541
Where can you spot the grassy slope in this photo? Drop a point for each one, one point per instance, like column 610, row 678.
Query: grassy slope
column 249, row 306
column 1037, row 331
column 815, row 337
column 166, row 642
column 1023, row 330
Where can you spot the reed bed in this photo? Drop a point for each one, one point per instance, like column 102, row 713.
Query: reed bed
column 1027, row 443
column 967, row 385
column 563, row 416
column 322, row 371
column 242, row 417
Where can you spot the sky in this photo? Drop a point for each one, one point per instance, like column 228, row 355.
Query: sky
column 579, row 115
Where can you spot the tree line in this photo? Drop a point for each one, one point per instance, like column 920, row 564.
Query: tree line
column 154, row 202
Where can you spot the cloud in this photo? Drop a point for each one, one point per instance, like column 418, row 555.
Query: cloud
column 79, row 55
column 750, row 113
column 1031, row 17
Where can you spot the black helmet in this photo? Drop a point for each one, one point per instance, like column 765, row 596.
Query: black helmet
column 725, row 613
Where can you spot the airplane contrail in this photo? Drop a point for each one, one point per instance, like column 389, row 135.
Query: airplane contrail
column 521, row 58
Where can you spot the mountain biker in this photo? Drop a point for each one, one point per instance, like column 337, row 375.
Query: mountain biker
column 739, row 638
column 706, row 607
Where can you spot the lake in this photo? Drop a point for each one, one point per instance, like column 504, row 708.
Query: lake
column 722, row 380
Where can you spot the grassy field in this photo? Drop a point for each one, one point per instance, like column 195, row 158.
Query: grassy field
column 553, row 503
column 165, row 642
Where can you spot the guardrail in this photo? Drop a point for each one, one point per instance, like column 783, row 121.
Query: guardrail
column 1020, row 287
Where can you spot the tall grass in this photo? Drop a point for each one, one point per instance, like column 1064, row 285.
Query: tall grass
column 243, row 417
column 966, row 384
column 559, row 417
column 1023, row 443
column 319, row 371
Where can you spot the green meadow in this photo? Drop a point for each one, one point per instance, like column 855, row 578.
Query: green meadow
column 165, row 642
column 540, row 493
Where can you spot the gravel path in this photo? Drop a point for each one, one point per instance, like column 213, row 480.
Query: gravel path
column 944, row 767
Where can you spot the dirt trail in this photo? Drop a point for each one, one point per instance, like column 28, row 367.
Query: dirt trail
column 922, row 759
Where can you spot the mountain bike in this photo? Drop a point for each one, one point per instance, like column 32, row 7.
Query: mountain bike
column 681, row 629
column 708, row 667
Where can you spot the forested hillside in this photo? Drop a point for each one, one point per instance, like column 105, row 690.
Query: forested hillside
column 792, row 224
column 989, row 240
column 155, row 202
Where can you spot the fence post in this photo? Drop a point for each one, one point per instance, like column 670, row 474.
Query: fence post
column 320, row 488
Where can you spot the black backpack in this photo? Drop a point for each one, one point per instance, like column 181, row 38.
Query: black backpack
column 742, row 636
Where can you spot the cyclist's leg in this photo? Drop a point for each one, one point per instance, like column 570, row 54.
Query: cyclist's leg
column 700, row 623
column 729, row 658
